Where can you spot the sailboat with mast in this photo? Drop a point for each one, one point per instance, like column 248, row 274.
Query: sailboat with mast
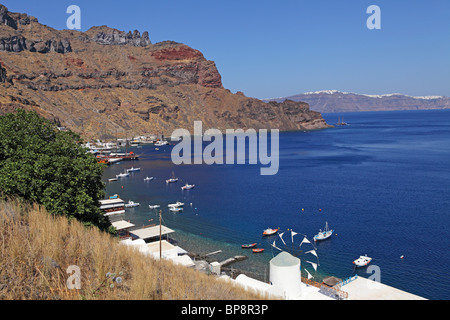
column 172, row 179
column 341, row 122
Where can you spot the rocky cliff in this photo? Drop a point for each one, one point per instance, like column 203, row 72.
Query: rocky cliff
column 105, row 83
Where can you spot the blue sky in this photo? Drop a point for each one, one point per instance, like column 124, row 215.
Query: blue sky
column 271, row 48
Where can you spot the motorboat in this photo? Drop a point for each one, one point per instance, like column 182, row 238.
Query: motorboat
column 112, row 179
column 149, row 178
column 122, row 175
column 160, row 143
column 114, row 160
column 250, row 245
column 132, row 204
column 176, row 209
column 257, row 250
column 188, row 186
column 176, row 205
column 325, row 234
column 362, row 261
column 132, row 169
column 156, row 206
column 270, row 231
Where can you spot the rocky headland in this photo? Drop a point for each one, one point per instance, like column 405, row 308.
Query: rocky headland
column 107, row 83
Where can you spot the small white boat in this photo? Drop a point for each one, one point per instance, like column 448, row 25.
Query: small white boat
column 132, row 204
column 112, row 179
column 173, row 209
column 114, row 160
column 122, row 175
column 176, row 205
column 362, row 261
column 156, row 206
column 188, row 186
column 149, row 178
column 172, row 179
column 161, row 143
column 325, row 234
column 133, row 169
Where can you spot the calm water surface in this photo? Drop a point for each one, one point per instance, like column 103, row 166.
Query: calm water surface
column 382, row 183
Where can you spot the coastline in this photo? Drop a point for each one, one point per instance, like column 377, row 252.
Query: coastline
column 333, row 171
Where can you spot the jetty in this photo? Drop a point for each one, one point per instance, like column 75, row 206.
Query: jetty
column 232, row 260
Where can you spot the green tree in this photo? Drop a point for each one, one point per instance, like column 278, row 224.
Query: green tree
column 41, row 164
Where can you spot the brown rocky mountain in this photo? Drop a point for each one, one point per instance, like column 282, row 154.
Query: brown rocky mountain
column 105, row 82
column 336, row 101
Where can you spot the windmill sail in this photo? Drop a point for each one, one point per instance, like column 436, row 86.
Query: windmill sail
column 305, row 240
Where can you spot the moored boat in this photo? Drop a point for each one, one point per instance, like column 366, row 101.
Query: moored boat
column 250, row 245
column 160, row 143
column 132, row 169
column 258, row 250
column 149, row 178
column 172, row 179
column 122, row 175
column 325, row 234
column 175, row 209
column 188, row 186
column 176, row 205
column 270, row 231
column 132, row 204
column 362, row 261
column 154, row 206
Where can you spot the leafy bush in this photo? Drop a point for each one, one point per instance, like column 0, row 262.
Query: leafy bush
column 41, row 164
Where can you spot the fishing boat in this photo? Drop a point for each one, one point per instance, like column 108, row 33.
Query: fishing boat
column 175, row 209
column 156, row 206
column 132, row 204
column 149, row 178
column 325, row 234
column 250, row 245
column 188, row 186
column 122, row 175
column 257, row 250
column 270, row 231
column 132, row 169
column 362, row 261
column 176, row 205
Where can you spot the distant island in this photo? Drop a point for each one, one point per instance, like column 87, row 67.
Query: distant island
column 328, row 101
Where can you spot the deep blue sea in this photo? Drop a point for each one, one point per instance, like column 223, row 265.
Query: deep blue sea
column 382, row 183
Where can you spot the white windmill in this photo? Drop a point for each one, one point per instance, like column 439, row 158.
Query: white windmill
column 290, row 244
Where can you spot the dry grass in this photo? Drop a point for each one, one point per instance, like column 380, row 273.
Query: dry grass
column 36, row 249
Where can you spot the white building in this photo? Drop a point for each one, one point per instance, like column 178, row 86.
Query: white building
column 285, row 281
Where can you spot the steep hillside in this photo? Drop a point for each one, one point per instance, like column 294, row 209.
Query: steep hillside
column 106, row 83
column 38, row 248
